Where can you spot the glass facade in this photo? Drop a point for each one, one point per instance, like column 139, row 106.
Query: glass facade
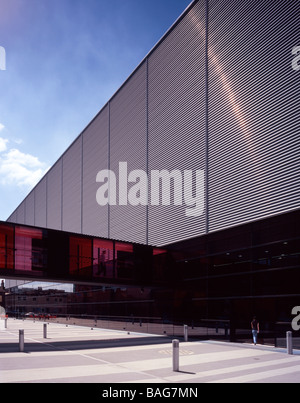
column 234, row 274
column 214, row 283
column 6, row 247
column 28, row 252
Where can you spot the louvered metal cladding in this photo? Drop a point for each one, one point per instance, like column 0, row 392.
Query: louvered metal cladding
column 40, row 204
column 54, row 196
column 238, row 120
column 71, row 187
column 128, row 143
column 177, row 120
column 13, row 217
column 95, row 159
column 253, row 110
column 29, row 209
column 21, row 213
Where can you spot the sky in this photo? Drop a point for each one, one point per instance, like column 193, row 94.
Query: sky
column 64, row 59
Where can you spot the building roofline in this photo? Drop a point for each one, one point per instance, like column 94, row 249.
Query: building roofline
column 182, row 15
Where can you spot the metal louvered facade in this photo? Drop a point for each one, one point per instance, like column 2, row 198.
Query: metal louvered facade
column 177, row 120
column 254, row 131
column 218, row 93
column 94, row 218
column 128, row 143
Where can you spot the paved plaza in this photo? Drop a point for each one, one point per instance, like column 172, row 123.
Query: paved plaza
column 72, row 354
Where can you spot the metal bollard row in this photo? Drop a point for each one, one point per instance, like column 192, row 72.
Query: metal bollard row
column 22, row 338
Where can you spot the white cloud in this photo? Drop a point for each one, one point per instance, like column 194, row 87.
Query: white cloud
column 3, row 143
column 17, row 168
column 18, row 141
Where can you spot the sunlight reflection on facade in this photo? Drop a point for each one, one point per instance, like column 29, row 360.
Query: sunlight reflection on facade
column 226, row 85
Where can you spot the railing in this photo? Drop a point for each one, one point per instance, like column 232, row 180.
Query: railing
column 202, row 329
column 157, row 326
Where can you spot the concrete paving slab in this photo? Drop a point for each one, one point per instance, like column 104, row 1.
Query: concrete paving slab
column 73, row 354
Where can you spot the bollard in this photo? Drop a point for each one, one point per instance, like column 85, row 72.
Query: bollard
column 289, row 343
column 21, row 341
column 5, row 323
column 175, row 355
column 45, row 330
column 185, row 332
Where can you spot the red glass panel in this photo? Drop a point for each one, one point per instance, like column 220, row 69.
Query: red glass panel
column 157, row 251
column 30, row 253
column 124, row 260
column 6, row 247
column 80, row 261
column 103, row 254
column 159, row 263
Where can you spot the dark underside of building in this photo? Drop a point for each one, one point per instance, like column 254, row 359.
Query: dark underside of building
column 215, row 283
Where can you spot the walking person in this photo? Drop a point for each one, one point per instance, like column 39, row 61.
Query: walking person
column 255, row 329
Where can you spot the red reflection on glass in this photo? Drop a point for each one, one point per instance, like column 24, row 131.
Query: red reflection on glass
column 6, row 247
column 124, row 260
column 124, row 247
column 159, row 263
column 29, row 251
column 103, row 254
column 157, row 251
column 80, row 261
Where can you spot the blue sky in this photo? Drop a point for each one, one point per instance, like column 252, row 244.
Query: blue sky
column 64, row 61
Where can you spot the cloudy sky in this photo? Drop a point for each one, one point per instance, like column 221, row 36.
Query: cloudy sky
column 64, row 60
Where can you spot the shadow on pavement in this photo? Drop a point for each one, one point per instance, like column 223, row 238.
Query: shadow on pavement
column 72, row 345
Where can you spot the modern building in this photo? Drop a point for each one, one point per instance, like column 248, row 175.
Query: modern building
column 36, row 302
column 197, row 154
